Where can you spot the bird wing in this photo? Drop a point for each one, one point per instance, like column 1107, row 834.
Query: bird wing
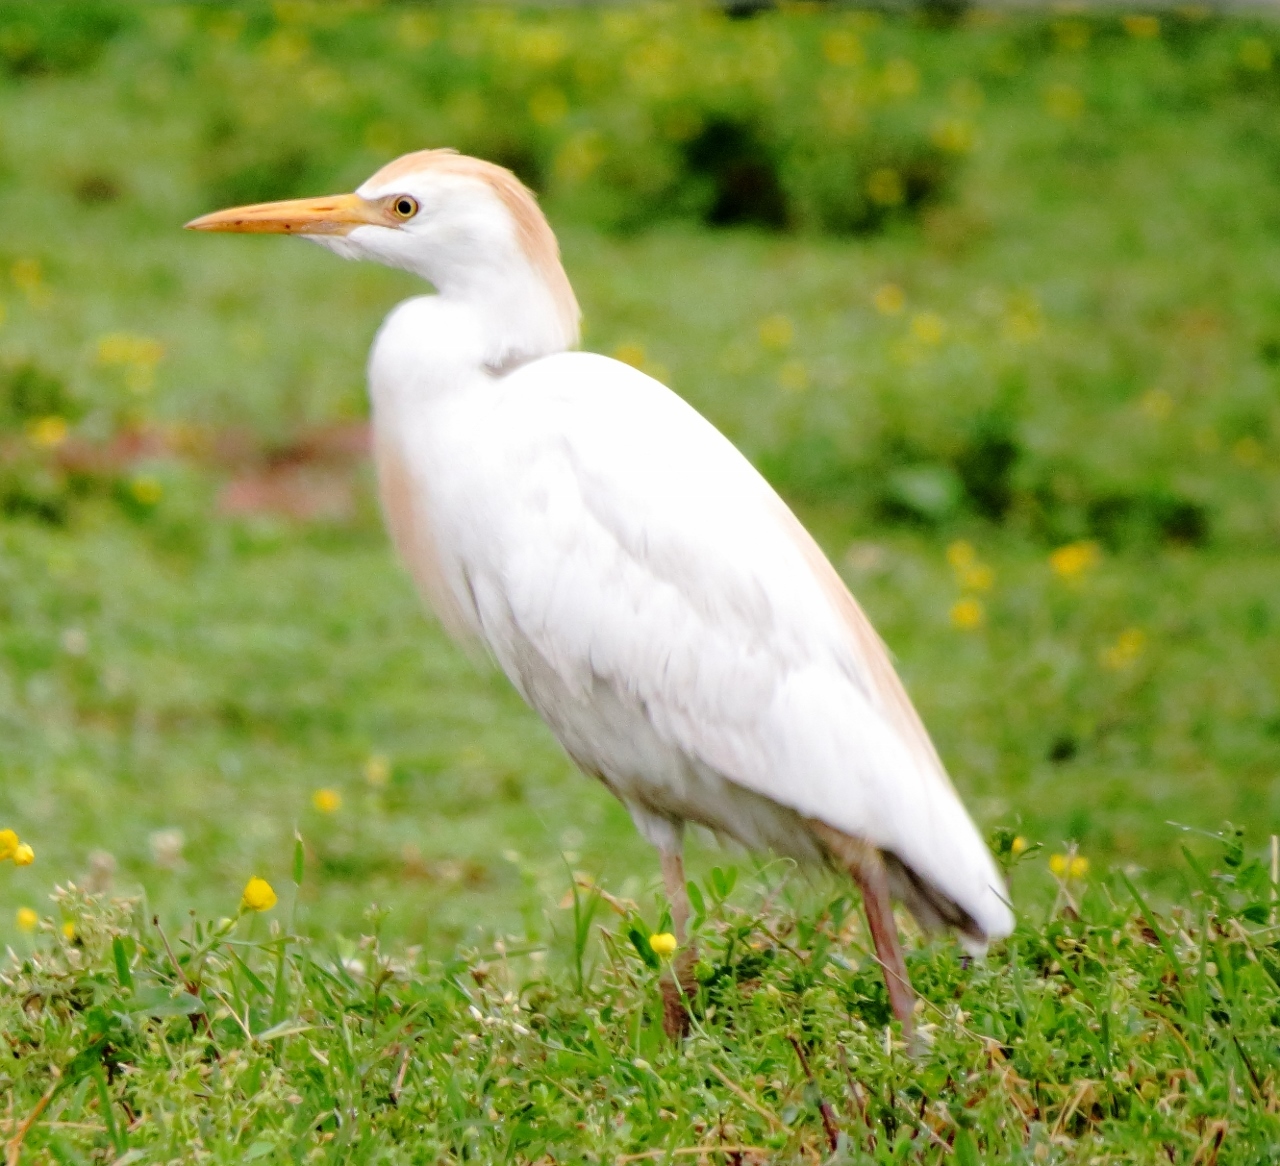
column 616, row 535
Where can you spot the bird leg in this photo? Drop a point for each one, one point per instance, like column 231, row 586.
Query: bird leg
column 874, row 885
column 677, row 982
column 677, row 891
column 865, row 863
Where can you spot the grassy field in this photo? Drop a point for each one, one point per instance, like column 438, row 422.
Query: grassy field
column 969, row 293
column 1107, row 1033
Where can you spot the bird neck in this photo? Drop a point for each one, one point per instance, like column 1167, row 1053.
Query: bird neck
column 523, row 310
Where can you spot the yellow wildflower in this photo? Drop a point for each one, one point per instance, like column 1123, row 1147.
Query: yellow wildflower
column 928, row 327
column 1247, row 451
column 966, row 614
column 285, row 47
column 630, row 353
column 1071, row 35
column 777, row 331
column 1127, row 648
column 1142, row 27
column 542, row 46
column 123, row 348
column 1069, row 866
column 1156, row 404
column 953, row 134
column 258, row 895
column 1132, row 641
column 581, row 156
column 377, row 770
column 1255, row 54
column 978, row 577
column 889, row 299
column 663, row 945
column 47, row 432
column 26, row 273
column 972, row 573
column 69, row 930
column 146, row 490
column 138, row 355
column 327, row 801
column 1024, row 318
column 8, row 844
column 1017, row 846
column 842, row 47
column 27, row 919
column 24, row 855
column 28, row 276
column 1074, row 559
column 793, row 376
column 885, row 187
column 960, row 554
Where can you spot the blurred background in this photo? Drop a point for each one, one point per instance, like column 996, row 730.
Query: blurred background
column 991, row 296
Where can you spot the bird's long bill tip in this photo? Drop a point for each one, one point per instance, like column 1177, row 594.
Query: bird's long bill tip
column 336, row 214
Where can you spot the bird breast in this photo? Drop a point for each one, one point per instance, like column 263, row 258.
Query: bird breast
column 407, row 510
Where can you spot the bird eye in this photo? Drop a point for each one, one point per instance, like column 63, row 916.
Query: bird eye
column 405, row 207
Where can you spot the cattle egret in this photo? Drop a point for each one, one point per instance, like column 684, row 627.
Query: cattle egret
column 643, row 587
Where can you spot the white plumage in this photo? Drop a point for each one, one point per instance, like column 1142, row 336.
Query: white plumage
column 642, row 586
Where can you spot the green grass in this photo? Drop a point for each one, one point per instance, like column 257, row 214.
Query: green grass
column 1102, row 1031
column 1087, row 349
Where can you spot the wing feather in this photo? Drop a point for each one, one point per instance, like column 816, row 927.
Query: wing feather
column 669, row 616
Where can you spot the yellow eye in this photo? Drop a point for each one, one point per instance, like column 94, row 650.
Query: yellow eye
column 404, row 207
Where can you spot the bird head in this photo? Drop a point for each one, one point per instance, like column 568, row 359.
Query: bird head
column 468, row 226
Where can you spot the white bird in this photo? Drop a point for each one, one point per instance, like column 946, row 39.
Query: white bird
column 644, row 588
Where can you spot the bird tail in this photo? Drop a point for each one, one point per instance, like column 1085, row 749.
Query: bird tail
column 935, row 911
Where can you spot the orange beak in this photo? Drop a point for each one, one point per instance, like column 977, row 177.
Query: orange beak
column 339, row 214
